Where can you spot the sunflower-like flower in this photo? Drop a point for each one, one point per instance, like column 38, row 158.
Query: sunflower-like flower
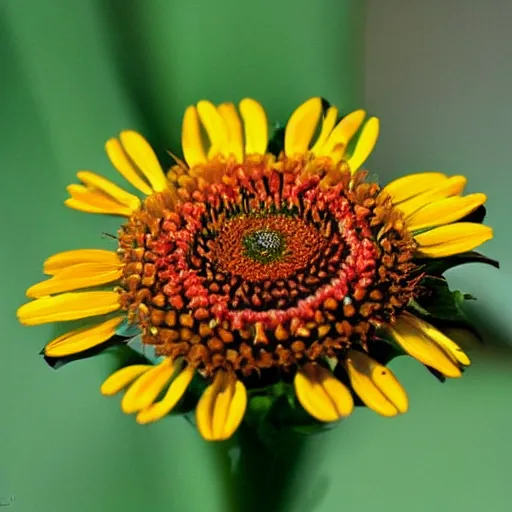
column 250, row 271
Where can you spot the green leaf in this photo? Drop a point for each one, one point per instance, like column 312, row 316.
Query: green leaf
column 438, row 267
column 440, row 301
column 441, row 306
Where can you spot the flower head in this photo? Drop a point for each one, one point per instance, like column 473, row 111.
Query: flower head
column 250, row 272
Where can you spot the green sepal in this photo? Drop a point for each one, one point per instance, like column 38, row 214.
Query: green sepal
column 437, row 267
column 441, row 306
column 275, row 408
column 440, row 302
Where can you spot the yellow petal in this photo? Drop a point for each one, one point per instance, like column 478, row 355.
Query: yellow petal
column 84, row 275
column 143, row 156
column 121, row 378
column 215, row 127
column 444, row 211
column 448, row 345
column 96, row 181
column 365, row 144
column 301, row 127
column 236, row 411
column 338, row 141
column 94, row 201
column 376, row 385
column 413, row 184
column 419, row 345
column 255, row 126
column 191, row 139
column 451, row 186
column 322, row 395
column 205, row 406
column 222, row 405
column 123, row 165
column 143, row 392
column 173, row 395
column 68, row 306
column 221, row 408
column 328, row 123
column 63, row 260
column 83, row 339
column 235, row 145
column 452, row 239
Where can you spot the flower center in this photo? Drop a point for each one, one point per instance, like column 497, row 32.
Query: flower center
column 265, row 266
column 264, row 245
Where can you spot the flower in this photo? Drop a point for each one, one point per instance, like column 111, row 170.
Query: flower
column 244, row 268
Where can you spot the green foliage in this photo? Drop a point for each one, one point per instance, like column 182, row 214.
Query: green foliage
column 441, row 306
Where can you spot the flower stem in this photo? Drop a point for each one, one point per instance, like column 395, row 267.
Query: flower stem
column 266, row 468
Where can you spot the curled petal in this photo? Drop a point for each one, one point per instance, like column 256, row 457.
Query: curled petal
column 215, row 126
column 221, row 408
column 67, row 259
column 376, row 384
column 448, row 345
column 173, row 395
column 125, row 167
column 256, row 126
column 68, row 306
column 365, row 144
column 89, row 200
column 452, row 186
column 301, row 127
column 328, row 123
column 191, row 139
column 144, row 391
column 95, row 181
column 452, row 239
column 412, row 185
column 80, row 340
column 235, row 144
column 340, row 137
column 418, row 342
column 84, row 275
column 322, row 395
column 444, row 211
column 143, row 156
column 121, row 378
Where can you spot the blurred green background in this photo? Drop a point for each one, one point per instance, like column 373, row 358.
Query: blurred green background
column 76, row 73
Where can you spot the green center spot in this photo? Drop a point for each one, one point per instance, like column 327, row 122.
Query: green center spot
column 264, row 245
